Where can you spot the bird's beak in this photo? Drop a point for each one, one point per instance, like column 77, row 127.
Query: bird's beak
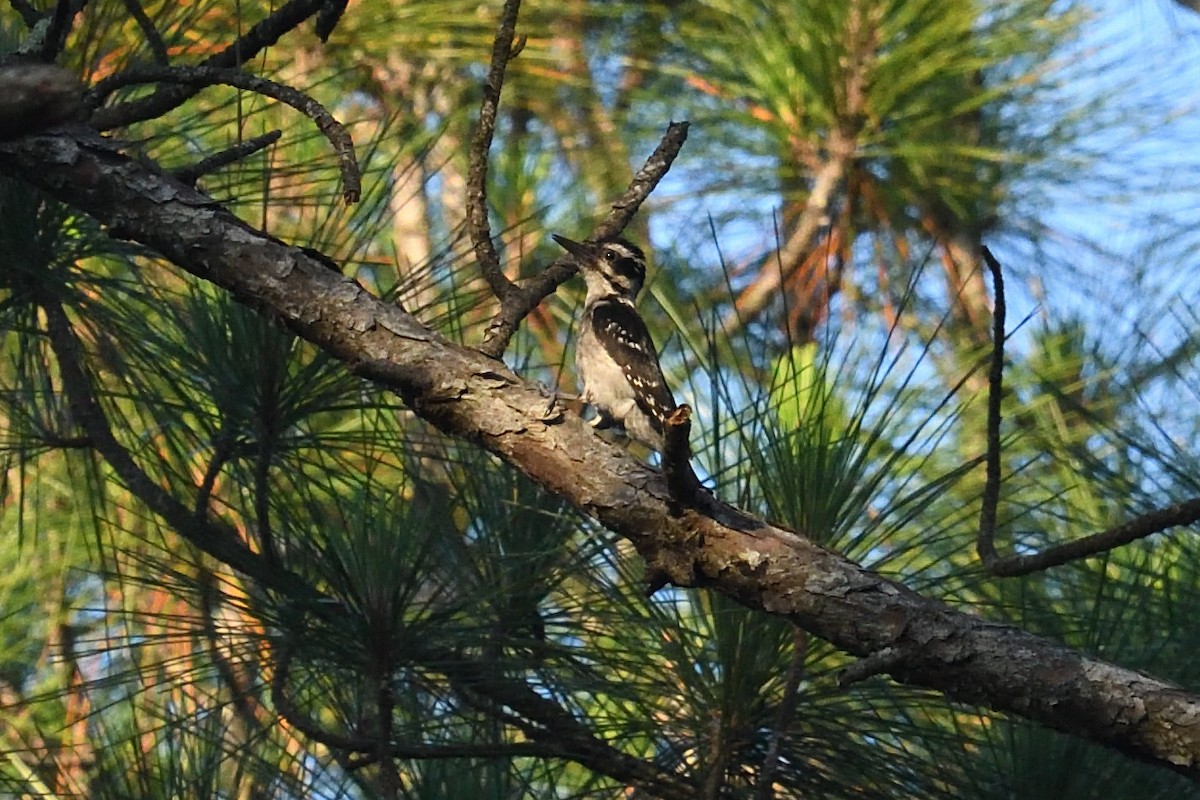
column 578, row 249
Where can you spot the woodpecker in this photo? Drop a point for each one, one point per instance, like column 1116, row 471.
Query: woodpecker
column 615, row 355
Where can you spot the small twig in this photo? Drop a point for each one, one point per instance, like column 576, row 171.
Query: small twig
column 481, row 143
column 1185, row 512
column 333, row 130
column 265, row 33
column 192, row 173
column 527, row 294
column 154, row 40
column 878, row 662
column 986, row 544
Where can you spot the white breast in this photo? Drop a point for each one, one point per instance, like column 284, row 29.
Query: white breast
column 604, row 383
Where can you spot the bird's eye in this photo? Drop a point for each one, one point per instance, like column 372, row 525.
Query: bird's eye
column 610, row 255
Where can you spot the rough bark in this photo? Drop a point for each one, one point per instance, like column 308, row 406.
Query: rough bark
column 919, row 641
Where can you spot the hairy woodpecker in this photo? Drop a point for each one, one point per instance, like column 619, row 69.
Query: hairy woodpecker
column 615, row 355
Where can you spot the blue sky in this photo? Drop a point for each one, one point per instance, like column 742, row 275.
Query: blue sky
column 1123, row 233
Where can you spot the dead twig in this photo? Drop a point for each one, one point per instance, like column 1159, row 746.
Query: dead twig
column 525, row 295
column 676, row 457
column 333, row 130
column 985, row 544
column 1185, row 512
column 481, row 143
column 265, row 33
column 192, row 173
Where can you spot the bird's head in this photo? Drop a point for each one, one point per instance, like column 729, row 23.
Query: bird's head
column 610, row 267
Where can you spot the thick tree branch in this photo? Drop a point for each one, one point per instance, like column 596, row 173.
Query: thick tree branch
column 554, row 731
column 470, row 395
column 527, row 294
column 1186, row 512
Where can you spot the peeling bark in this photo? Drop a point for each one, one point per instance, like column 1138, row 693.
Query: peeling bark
column 712, row 545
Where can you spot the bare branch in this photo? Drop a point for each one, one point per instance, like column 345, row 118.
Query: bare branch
column 264, row 34
column 1185, row 512
column 985, row 544
column 216, row 161
column 676, row 457
column 527, row 294
column 333, row 130
column 481, row 143
column 154, row 40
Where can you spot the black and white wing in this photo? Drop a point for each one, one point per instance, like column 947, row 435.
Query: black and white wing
column 623, row 335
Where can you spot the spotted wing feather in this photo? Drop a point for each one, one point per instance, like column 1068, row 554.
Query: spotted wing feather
column 623, row 335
